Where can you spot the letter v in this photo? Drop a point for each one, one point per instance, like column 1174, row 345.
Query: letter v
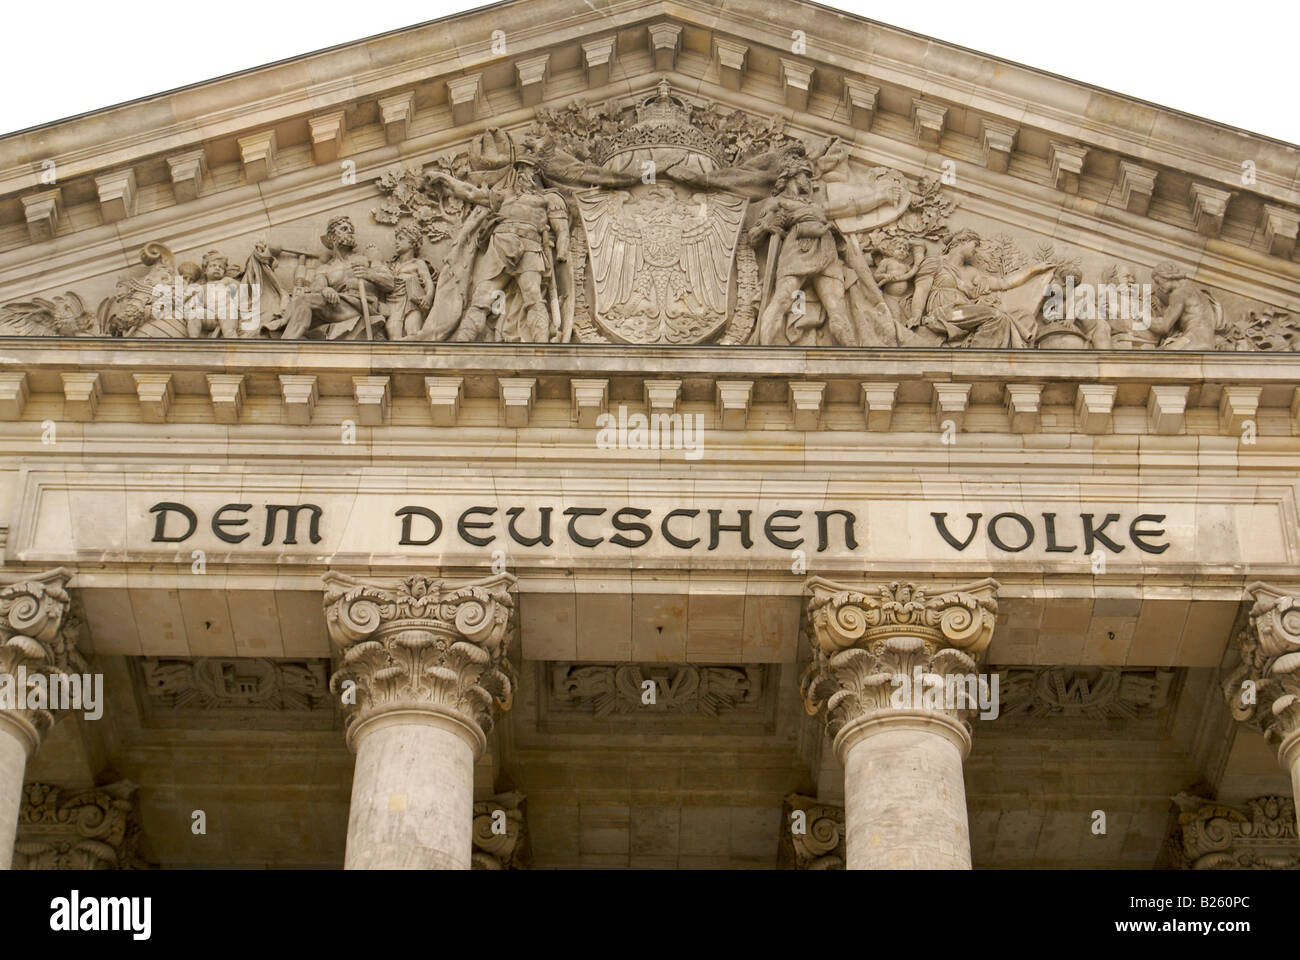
column 956, row 544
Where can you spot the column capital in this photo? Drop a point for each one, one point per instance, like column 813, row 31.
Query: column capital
column 1264, row 690
column 871, row 644
column 422, row 645
column 38, row 640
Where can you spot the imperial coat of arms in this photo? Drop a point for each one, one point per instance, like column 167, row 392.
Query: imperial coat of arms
column 660, row 262
column 661, row 254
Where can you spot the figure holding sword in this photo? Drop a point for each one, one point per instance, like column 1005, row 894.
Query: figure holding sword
column 525, row 248
column 336, row 299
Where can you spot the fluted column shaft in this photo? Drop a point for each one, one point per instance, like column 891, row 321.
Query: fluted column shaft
column 902, row 751
column 422, row 666
column 32, row 613
column 1264, row 691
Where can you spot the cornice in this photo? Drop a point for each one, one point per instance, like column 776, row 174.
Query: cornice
column 1182, row 414
column 34, row 354
column 983, row 82
column 315, row 82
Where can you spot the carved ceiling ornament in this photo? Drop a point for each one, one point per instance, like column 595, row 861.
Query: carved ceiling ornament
column 662, row 218
column 38, row 640
column 95, row 829
column 421, row 643
column 1257, row 835
column 1091, row 693
column 864, row 640
column 235, row 683
column 1263, row 691
column 656, row 688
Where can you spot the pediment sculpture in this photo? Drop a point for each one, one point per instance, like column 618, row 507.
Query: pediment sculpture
column 664, row 221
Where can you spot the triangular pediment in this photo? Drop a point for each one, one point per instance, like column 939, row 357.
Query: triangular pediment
column 608, row 414
column 1038, row 169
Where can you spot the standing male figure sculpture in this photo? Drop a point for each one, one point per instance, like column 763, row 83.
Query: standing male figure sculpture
column 802, row 251
column 527, row 236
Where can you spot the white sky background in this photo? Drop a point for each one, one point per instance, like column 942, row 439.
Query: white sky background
column 1230, row 62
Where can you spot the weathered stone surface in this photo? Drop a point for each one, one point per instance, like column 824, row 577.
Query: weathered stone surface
column 408, row 313
column 423, row 668
column 1257, row 835
column 96, row 829
column 878, row 654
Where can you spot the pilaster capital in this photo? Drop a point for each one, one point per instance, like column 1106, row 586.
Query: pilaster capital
column 501, row 833
column 38, row 641
column 95, row 829
column 424, row 645
column 812, row 834
column 34, row 607
column 891, row 649
column 1264, row 689
column 1211, row 835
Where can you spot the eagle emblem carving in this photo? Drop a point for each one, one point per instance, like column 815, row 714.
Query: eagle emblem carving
column 661, row 262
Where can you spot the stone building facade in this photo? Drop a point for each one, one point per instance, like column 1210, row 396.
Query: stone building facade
column 643, row 434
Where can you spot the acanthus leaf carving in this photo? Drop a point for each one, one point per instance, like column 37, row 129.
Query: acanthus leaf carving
column 1212, row 835
column 421, row 643
column 1263, row 690
column 95, row 829
column 867, row 645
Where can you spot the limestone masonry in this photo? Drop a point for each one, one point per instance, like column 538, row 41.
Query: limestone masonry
column 652, row 435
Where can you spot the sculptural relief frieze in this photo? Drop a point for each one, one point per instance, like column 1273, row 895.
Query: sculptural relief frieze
column 662, row 219
column 235, row 684
column 607, row 690
column 1084, row 693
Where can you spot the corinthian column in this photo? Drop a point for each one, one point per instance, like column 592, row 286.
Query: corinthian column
column 1264, row 690
column 422, row 665
column 893, row 674
column 33, row 649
